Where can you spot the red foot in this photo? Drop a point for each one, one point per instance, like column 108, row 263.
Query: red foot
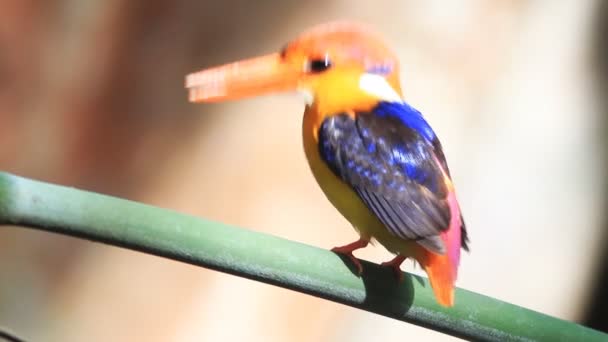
column 347, row 250
column 395, row 264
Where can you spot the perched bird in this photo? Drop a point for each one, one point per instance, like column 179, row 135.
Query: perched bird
column 375, row 157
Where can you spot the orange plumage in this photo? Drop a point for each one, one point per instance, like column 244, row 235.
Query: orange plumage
column 374, row 156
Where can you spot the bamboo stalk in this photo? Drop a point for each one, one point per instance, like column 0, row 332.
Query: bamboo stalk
column 272, row 260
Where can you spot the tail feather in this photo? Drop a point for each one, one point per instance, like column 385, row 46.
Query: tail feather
column 442, row 277
column 442, row 269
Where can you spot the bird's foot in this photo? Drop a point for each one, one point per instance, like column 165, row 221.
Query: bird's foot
column 352, row 258
column 347, row 251
column 395, row 264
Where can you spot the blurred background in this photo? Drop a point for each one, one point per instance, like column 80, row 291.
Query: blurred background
column 91, row 96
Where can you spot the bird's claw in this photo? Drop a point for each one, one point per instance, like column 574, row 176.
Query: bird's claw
column 349, row 254
column 347, row 251
column 395, row 265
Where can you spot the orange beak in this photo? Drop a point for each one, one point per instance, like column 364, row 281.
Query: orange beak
column 251, row 77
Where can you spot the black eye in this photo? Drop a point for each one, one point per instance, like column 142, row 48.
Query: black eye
column 283, row 52
column 319, row 65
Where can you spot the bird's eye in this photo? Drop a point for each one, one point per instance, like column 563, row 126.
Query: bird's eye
column 319, row 65
column 283, row 52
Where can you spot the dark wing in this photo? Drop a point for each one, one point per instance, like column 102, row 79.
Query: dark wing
column 395, row 172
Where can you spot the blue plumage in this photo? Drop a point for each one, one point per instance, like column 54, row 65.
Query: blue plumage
column 389, row 157
column 408, row 115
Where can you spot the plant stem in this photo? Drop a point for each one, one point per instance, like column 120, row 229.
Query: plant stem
column 272, row 260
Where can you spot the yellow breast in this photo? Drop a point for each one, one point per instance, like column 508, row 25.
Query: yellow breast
column 340, row 194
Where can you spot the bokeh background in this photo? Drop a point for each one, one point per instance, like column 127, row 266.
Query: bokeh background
column 91, row 96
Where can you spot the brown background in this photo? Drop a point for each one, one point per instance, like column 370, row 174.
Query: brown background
column 91, row 95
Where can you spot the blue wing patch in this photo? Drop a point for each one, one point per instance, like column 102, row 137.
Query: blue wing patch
column 389, row 158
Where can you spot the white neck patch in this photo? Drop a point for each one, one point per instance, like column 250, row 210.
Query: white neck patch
column 377, row 86
column 306, row 95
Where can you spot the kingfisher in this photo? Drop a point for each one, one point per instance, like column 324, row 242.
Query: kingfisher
column 375, row 157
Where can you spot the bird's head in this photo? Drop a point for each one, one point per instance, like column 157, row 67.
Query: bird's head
column 338, row 66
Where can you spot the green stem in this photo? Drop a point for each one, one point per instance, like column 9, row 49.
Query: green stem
column 272, row 260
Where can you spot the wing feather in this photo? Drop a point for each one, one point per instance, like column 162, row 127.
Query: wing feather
column 395, row 170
